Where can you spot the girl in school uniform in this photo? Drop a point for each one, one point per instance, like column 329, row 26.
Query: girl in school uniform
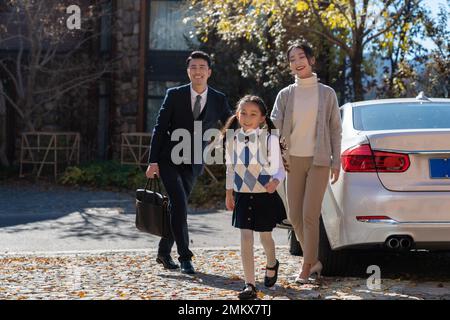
column 255, row 168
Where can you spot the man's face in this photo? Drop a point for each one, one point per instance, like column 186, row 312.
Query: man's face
column 198, row 72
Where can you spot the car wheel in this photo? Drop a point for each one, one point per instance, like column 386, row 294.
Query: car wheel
column 336, row 262
column 295, row 248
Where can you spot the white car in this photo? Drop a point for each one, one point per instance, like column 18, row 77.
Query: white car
column 394, row 188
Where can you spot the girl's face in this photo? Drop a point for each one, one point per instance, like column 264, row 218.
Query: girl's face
column 249, row 116
column 299, row 64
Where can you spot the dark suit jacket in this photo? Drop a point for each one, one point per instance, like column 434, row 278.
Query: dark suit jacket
column 176, row 113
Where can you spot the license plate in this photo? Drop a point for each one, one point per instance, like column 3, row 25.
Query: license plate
column 440, row 168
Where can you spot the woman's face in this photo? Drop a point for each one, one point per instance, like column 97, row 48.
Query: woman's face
column 299, row 64
column 249, row 116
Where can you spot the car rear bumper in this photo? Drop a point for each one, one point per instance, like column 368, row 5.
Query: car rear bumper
column 424, row 216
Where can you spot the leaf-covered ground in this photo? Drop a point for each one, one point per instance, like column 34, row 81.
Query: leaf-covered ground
column 136, row 275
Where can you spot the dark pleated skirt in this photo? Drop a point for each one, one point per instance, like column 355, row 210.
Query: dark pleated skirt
column 258, row 211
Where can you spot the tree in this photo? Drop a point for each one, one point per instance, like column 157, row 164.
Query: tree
column 3, row 159
column 350, row 27
column 48, row 61
column 401, row 49
column 255, row 61
column 436, row 76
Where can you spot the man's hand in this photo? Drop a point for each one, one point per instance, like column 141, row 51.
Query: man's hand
column 272, row 185
column 152, row 170
column 229, row 200
column 334, row 176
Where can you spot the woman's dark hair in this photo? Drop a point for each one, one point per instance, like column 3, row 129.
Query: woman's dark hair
column 309, row 52
column 199, row 55
column 233, row 123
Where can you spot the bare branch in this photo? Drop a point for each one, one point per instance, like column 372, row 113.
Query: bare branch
column 325, row 31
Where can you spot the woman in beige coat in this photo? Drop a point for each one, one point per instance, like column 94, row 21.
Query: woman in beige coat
column 307, row 115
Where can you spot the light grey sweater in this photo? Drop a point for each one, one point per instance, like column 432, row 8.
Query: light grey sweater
column 327, row 149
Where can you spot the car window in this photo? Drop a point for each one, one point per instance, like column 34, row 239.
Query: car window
column 402, row 116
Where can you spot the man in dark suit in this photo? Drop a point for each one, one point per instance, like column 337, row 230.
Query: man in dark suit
column 182, row 106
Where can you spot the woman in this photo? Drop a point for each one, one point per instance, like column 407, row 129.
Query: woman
column 307, row 115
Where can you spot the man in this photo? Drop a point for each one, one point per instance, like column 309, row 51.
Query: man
column 181, row 107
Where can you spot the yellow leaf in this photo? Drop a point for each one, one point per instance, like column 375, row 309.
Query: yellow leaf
column 81, row 294
column 260, row 295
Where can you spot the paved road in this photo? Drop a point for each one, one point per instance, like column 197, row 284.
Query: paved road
column 46, row 218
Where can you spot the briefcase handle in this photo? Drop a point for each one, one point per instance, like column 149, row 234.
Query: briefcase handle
column 153, row 182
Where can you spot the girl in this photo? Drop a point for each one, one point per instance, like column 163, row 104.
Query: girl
column 254, row 170
column 307, row 114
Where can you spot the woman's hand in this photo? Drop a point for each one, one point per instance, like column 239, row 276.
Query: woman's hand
column 272, row 185
column 334, row 176
column 229, row 200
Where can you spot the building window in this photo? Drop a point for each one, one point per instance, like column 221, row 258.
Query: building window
column 169, row 46
column 156, row 92
column 167, row 29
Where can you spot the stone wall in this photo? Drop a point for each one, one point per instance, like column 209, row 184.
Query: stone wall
column 126, row 79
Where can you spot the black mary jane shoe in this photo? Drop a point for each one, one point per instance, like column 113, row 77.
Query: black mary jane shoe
column 248, row 293
column 270, row 281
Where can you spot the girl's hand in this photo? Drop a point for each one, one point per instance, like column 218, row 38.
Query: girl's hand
column 229, row 201
column 272, row 185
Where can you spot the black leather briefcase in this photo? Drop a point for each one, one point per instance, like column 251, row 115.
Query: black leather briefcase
column 152, row 214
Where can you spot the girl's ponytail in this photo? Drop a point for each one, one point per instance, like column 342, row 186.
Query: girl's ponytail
column 232, row 123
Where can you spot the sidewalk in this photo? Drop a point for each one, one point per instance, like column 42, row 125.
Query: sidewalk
column 136, row 275
column 56, row 218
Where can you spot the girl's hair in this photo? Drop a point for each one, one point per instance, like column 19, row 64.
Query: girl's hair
column 233, row 123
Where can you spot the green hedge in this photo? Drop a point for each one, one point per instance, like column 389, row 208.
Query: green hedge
column 9, row 172
column 104, row 174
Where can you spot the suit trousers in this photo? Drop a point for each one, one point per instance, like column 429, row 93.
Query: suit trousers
column 178, row 180
column 306, row 185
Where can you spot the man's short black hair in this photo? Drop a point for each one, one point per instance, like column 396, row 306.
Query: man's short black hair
column 199, row 55
column 304, row 46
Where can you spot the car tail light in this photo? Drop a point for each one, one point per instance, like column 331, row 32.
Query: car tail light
column 375, row 219
column 363, row 159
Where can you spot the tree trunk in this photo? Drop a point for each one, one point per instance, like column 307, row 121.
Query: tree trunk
column 3, row 158
column 356, row 66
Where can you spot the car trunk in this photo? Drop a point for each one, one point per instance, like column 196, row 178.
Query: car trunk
column 429, row 154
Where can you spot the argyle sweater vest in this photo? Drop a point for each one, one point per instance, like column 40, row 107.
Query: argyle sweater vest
column 249, row 162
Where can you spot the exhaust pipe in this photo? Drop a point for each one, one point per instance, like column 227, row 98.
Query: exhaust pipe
column 399, row 243
column 405, row 243
column 392, row 243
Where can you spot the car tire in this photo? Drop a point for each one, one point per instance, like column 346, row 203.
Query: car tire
column 295, row 248
column 336, row 262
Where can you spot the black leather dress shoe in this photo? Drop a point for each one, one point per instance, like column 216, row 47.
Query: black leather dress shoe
column 187, row 267
column 167, row 262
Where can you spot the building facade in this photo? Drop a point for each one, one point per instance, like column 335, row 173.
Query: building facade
column 149, row 43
